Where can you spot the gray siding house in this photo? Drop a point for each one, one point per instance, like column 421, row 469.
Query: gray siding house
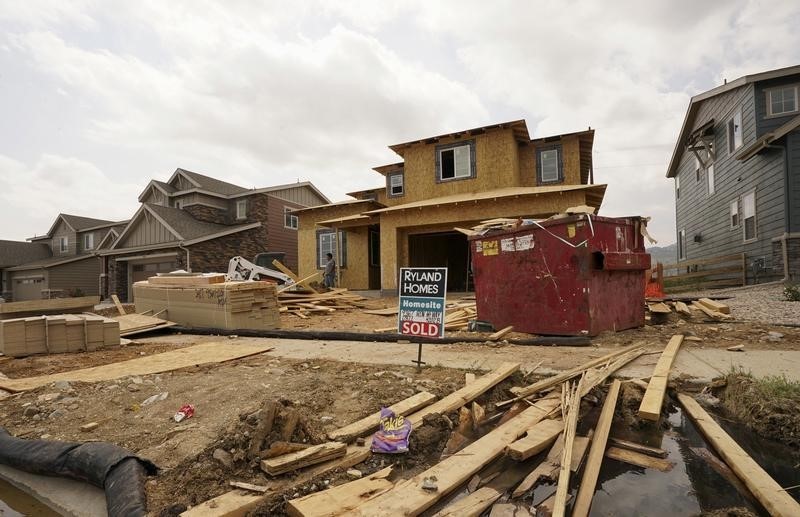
column 736, row 171
column 69, row 267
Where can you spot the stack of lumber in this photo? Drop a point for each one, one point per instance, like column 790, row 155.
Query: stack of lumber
column 303, row 303
column 224, row 305
column 12, row 310
column 685, row 307
column 187, row 279
column 57, row 334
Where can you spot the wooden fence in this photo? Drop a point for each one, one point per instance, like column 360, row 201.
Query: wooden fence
column 690, row 275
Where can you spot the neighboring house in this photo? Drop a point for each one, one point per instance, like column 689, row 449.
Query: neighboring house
column 447, row 181
column 198, row 223
column 71, row 267
column 14, row 253
column 736, row 167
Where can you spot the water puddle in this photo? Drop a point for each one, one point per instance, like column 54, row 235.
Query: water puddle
column 15, row 503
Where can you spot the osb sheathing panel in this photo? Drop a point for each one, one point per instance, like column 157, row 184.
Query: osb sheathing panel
column 356, row 275
column 396, row 225
column 497, row 165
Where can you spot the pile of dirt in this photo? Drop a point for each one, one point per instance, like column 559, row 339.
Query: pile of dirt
column 627, row 408
column 728, row 512
column 768, row 406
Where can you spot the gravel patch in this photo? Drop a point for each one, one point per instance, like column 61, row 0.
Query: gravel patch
column 762, row 303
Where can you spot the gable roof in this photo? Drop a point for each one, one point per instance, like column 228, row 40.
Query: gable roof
column 185, row 228
column 694, row 105
column 14, row 253
column 279, row 188
column 519, row 127
column 208, row 183
column 76, row 223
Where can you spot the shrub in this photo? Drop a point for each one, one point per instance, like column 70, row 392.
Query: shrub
column 792, row 292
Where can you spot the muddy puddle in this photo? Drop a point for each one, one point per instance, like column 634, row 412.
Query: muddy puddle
column 699, row 482
column 14, row 503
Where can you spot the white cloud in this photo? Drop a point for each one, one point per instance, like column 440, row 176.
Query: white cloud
column 32, row 195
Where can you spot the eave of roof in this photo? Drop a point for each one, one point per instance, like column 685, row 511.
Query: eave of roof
column 695, row 101
column 349, row 221
column 768, row 138
column 519, row 127
column 346, row 202
column 490, row 195
column 383, row 169
column 51, row 262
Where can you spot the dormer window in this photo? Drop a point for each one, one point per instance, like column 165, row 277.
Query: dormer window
column 88, row 241
column 455, row 161
column 241, row 209
column 395, row 184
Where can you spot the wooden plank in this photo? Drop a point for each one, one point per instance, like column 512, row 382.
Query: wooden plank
column 300, row 459
column 469, row 378
column 539, row 437
column 187, row 280
column 683, row 308
column 265, row 420
column 550, row 466
column 501, row 333
column 659, row 308
column 638, row 447
column 212, row 352
column 466, row 394
column 650, row 408
column 229, row 504
column 120, row 308
column 248, row 486
column 714, row 305
column 574, row 372
column 639, row 459
column 370, row 423
column 479, row 500
column 288, row 272
column 408, row 498
column 129, row 322
column 391, row 311
column 591, row 471
column 302, row 281
column 342, row 498
column 769, row 493
column 570, row 407
column 48, row 306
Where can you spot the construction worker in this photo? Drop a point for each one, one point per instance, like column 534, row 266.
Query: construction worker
column 329, row 276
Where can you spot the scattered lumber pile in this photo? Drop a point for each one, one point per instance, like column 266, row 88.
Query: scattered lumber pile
column 57, row 334
column 13, row 310
column 303, row 303
column 224, row 305
column 687, row 307
column 457, row 316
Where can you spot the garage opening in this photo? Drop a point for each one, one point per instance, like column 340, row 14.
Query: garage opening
column 446, row 249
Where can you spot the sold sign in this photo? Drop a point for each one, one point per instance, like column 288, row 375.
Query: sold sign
column 422, row 301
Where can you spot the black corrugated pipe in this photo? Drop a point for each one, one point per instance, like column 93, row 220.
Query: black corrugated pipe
column 117, row 471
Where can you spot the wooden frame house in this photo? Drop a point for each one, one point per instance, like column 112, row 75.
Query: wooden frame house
column 452, row 180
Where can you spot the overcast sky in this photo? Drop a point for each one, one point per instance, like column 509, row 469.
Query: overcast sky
column 99, row 97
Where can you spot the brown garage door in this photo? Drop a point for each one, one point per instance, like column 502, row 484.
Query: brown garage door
column 28, row 289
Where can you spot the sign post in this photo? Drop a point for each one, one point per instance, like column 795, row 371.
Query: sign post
column 422, row 299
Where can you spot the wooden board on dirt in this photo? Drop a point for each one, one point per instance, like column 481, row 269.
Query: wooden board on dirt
column 213, row 352
column 639, row 459
column 230, row 504
column 340, row 499
column 370, row 423
column 714, row 305
column 305, row 458
column 650, row 408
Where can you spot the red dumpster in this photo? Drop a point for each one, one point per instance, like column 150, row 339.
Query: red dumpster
column 578, row 275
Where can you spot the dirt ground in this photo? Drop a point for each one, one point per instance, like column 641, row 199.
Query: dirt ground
column 328, row 395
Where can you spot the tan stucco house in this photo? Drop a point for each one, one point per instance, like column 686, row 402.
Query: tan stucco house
column 442, row 182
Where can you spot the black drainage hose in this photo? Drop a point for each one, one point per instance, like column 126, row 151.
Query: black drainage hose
column 110, row 467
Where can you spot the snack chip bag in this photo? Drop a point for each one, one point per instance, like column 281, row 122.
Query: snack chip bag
column 392, row 436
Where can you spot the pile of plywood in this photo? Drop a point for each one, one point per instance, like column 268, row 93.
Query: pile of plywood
column 303, row 303
column 224, row 305
column 57, row 334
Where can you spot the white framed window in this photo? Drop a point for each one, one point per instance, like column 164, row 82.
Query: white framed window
column 88, row 241
column 289, row 219
column 749, row 217
column 549, row 165
column 697, row 168
column 241, row 209
column 735, row 213
column 735, row 131
column 677, row 187
column 63, row 244
column 455, row 161
column 395, row 184
column 710, row 178
column 782, row 100
column 327, row 243
column 682, row 245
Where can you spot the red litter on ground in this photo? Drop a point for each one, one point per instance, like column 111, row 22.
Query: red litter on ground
column 184, row 412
